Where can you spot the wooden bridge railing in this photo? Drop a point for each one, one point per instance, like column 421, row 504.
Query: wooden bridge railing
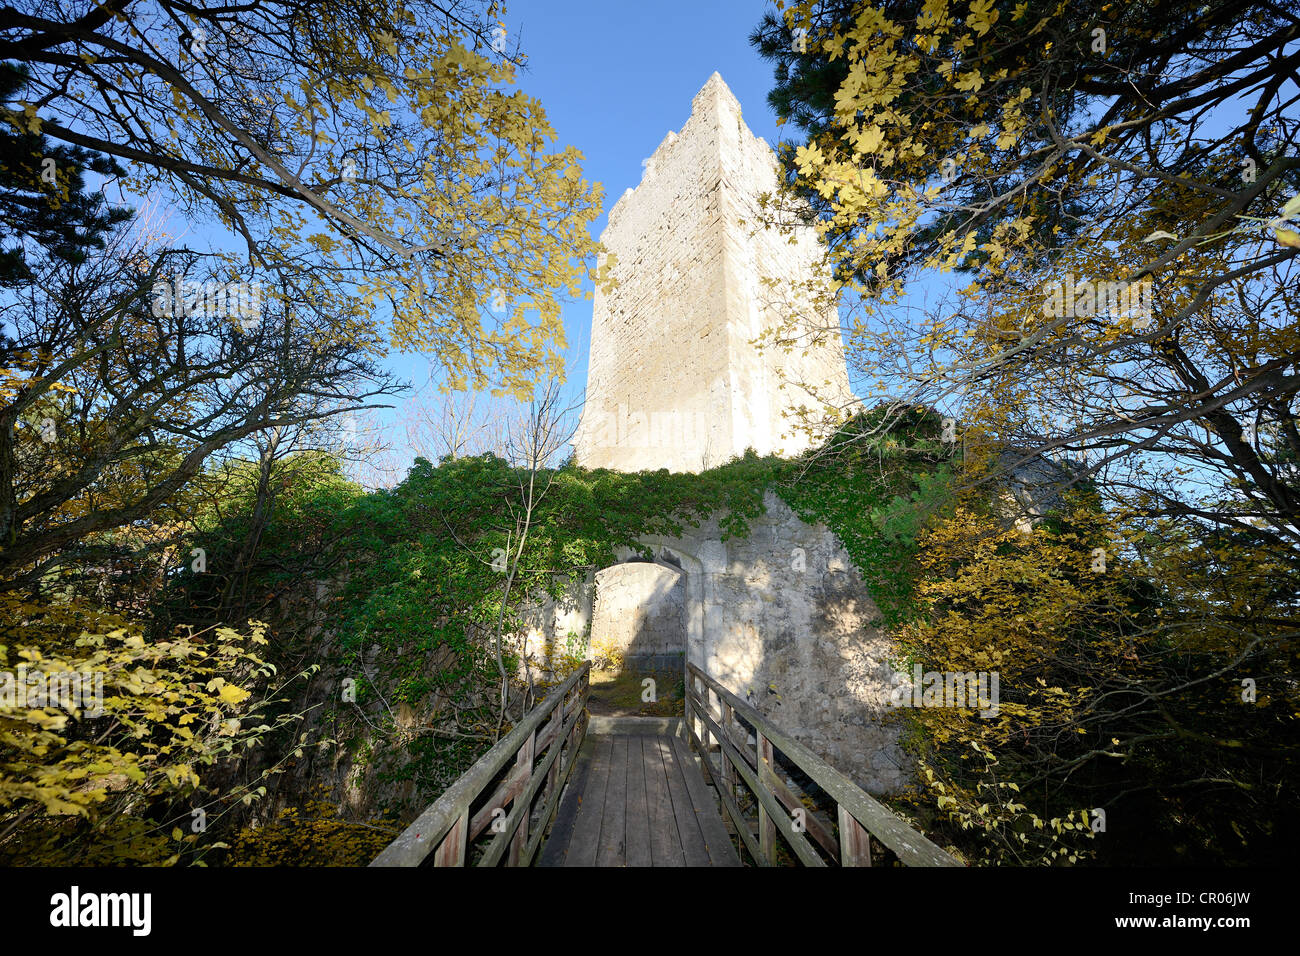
column 753, row 767
column 543, row 759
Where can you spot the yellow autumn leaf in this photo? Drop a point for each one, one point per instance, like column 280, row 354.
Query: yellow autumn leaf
column 806, row 157
column 982, row 16
column 232, row 695
column 868, row 140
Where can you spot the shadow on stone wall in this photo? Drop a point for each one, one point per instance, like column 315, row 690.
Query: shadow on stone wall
column 782, row 618
column 639, row 614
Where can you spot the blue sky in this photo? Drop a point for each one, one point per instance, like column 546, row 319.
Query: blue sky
column 614, row 77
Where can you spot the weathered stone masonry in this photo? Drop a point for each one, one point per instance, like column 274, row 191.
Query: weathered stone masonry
column 674, row 379
column 780, row 617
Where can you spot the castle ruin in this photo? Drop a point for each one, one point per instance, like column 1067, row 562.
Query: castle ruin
column 675, row 378
column 781, row 617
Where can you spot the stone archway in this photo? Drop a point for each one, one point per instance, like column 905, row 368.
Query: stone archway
column 669, row 553
column 639, row 613
column 782, row 618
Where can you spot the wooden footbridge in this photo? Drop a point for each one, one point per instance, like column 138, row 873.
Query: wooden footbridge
column 721, row 787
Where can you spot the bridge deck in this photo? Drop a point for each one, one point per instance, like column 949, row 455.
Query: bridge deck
column 637, row 800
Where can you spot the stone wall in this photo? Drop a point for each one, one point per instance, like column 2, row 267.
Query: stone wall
column 781, row 618
column 674, row 378
column 555, row 628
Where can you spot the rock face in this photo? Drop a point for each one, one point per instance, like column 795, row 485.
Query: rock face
column 674, row 379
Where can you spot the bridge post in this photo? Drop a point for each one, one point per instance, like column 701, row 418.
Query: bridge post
column 704, row 735
column 728, row 774
column 855, row 842
column 524, row 761
column 557, row 719
column 451, row 851
column 766, row 825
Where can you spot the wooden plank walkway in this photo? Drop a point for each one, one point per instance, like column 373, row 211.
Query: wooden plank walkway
column 637, row 800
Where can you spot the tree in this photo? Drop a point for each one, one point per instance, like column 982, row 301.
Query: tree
column 977, row 137
column 102, row 734
column 532, row 446
column 456, row 424
column 1142, row 716
column 120, row 391
column 367, row 145
column 43, row 196
column 1105, row 200
column 266, row 527
column 1122, row 223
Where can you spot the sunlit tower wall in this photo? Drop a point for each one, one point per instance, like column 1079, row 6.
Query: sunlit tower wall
column 674, row 378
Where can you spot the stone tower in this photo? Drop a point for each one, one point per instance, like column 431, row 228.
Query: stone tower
column 674, row 378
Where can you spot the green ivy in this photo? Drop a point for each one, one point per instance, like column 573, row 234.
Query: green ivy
column 876, row 484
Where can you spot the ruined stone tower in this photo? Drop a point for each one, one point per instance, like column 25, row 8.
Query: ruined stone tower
column 674, row 379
